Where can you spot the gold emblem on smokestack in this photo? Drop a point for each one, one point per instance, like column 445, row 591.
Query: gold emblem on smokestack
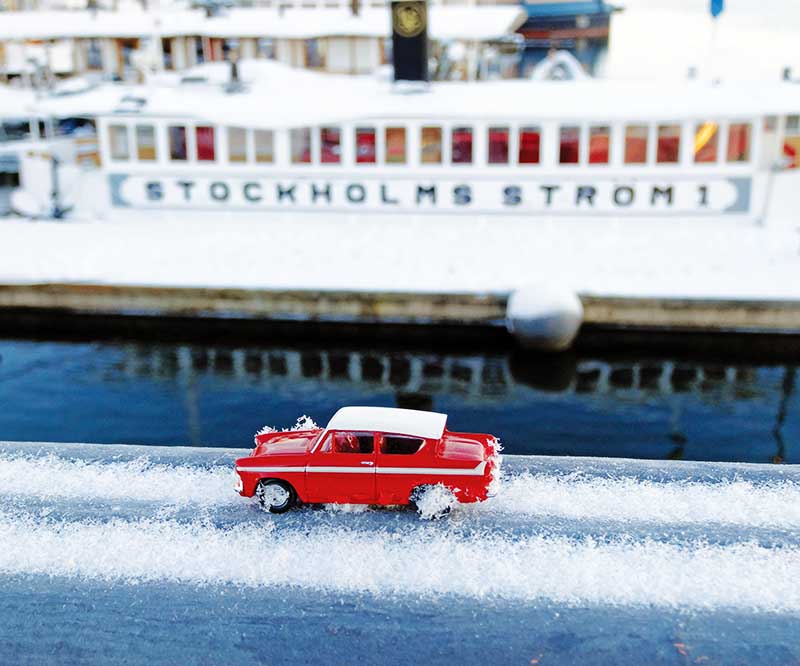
column 409, row 18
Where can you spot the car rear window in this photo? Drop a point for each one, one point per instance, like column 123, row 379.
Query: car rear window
column 404, row 446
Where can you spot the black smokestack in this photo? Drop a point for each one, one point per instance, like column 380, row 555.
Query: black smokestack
column 410, row 40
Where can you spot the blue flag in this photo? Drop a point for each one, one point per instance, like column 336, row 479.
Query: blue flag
column 716, row 7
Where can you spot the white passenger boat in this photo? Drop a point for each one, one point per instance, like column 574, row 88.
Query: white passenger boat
column 293, row 140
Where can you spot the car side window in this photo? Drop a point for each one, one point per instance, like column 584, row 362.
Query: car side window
column 404, row 446
column 353, row 442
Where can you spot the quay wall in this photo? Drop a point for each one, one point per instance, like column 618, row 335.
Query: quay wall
column 463, row 312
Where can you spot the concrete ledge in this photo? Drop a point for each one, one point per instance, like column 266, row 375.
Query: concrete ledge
column 457, row 309
column 736, row 316
column 378, row 307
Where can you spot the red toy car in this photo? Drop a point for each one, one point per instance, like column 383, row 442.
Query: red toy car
column 368, row 455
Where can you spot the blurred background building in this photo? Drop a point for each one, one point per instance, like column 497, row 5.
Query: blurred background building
column 469, row 40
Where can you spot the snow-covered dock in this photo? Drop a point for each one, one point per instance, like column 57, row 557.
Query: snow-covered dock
column 717, row 277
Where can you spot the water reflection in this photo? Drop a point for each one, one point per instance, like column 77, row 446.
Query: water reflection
column 218, row 395
column 483, row 377
column 662, row 408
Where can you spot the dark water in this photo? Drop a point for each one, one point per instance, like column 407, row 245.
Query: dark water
column 215, row 395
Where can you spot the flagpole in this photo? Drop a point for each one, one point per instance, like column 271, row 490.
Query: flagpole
column 712, row 48
column 716, row 7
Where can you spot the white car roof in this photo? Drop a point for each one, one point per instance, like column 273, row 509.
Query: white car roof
column 428, row 425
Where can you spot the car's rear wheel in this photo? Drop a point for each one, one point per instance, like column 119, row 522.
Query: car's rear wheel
column 432, row 501
column 276, row 496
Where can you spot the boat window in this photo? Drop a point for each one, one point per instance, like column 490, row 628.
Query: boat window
column 739, row 142
column 791, row 144
column 395, row 145
column 498, row 145
column 118, row 142
column 353, row 442
column 365, row 145
column 706, row 140
column 669, row 144
column 599, row 144
column 11, row 129
column 300, row 143
column 529, row 141
column 404, row 446
column 205, row 143
column 265, row 47
column 265, row 146
column 636, row 144
column 146, row 143
column 462, row 145
column 330, row 145
column 569, row 145
column 177, row 142
column 431, row 145
column 237, row 144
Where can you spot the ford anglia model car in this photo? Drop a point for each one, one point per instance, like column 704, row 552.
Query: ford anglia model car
column 368, row 455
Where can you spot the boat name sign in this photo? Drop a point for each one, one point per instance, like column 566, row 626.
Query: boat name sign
column 713, row 195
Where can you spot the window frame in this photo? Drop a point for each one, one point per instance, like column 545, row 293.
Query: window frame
column 124, row 131
column 357, row 433
column 442, row 131
column 638, row 125
column 506, row 129
column 366, row 129
column 559, row 138
column 750, row 125
column 253, row 139
column 211, row 130
column 462, row 128
column 228, row 144
column 322, row 129
column 184, row 129
column 143, row 128
column 528, row 129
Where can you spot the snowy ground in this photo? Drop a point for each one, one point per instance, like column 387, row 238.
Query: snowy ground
column 410, row 254
column 624, row 561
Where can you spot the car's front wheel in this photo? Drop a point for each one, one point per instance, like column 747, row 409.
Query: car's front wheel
column 276, row 496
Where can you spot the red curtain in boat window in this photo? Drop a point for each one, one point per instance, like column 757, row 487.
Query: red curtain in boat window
column 205, row 144
column 329, row 145
column 529, row 138
column 739, row 142
column 365, row 145
column 462, row 145
column 636, row 144
column 668, row 148
column 498, row 145
column 569, row 148
column 599, row 142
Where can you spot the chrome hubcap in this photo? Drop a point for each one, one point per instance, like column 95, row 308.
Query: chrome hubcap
column 274, row 495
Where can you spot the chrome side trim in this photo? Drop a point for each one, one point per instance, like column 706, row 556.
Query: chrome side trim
column 341, row 470
column 478, row 470
column 270, row 469
column 445, row 471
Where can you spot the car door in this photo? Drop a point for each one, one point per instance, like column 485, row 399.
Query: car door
column 403, row 463
column 342, row 468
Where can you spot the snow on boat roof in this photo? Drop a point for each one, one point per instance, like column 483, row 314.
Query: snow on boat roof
column 445, row 22
column 15, row 102
column 428, row 425
column 350, row 98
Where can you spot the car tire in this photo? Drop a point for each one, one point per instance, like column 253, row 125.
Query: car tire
column 276, row 496
column 438, row 512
